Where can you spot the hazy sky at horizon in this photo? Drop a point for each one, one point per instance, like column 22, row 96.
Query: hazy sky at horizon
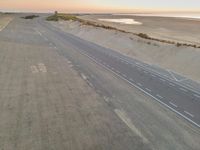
column 100, row 5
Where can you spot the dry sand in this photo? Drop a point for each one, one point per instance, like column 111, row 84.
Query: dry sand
column 176, row 29
column 183, row 60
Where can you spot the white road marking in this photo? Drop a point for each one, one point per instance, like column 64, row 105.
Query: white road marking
column 148, row 89
column 117, row 71
column 2, row 28
column 106, row 99
column 34, row 69
column 182, row 89
column 134, row 85
column 171, row 84
column 173, row 104
column 131, row 79
column 159, row 96
column 139, row 69
column 139, row 84
column 38, row 32
column 172, row 75
column 90, row 84
column 55, row 47
column 133, row 65
column 196, row 95
column 191, row 115
column 83, row 76
column 162, row 79
column 42, row 67
column 153, row 75
column 145, row 71
column 124, row 117
column 183, row 80
column 156, row 72
column 124, row 75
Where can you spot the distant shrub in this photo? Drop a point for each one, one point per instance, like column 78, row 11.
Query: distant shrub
column 178, row 44
column 143, row 35
column 57, row 17
column 30, row 17
column 52, row 18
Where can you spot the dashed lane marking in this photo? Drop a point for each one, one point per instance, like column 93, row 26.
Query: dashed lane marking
column 148, row 89
column 177, row 112
column 145, row 71
column 191, row 115
column 171, row 84
column 198, row 96
column 173, row 104
column 159, row 96
column 182, row 89
column 124, row 75
column 124, row 117
column 139, row 84
column 131, row 79
column 162, row 79
column 83, row 76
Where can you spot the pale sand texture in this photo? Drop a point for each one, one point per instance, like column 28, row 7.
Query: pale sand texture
column 176, row 29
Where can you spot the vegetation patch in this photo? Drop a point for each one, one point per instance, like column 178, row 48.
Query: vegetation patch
column 30, row 17
column 57, row 17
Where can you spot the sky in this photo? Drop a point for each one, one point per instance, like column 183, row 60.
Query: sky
column 100, row 6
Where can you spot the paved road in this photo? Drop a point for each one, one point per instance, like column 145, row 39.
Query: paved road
column 44, row 104
column 181, row 100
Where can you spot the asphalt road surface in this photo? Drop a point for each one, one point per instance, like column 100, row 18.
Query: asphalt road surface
column 183, row 101
column 39, row 102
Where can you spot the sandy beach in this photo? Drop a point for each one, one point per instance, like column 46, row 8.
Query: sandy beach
column 170, row 28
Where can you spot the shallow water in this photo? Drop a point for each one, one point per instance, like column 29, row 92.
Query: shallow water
column 122, row 21
column 177, row 15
